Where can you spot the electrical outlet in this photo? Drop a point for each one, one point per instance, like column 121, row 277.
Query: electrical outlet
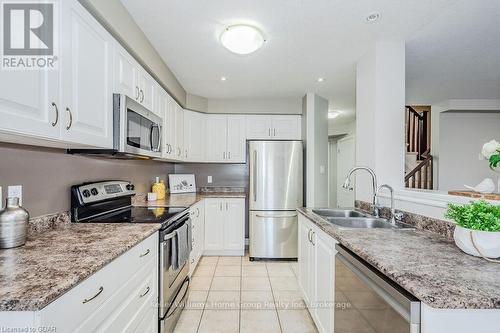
column 16, row 191
column 209, row 179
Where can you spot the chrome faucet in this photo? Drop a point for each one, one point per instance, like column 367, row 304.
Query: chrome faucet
column 347, row 185
column 393, row 210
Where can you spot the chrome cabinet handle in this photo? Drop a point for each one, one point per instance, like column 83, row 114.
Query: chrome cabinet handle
column 224, row 155
column 309, row 235
column 186, row 153
column 269, row 132
column 137, row 93
column 313, row 235
column 145, row 293
column 57, row 114
column 142, row 96
column 274, row 132
column 86, row 300
column 178, row 151
column 229, row 155
column 220, row 206
column 255, row 175
column 192, row 261
column 227, row 206
column 197, row 212
column 70, row 118
column 145, row 253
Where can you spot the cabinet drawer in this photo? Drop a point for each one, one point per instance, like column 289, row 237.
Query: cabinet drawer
column 86, row 298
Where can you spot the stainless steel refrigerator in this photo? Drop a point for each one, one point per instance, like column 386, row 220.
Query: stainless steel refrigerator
column 276, row 190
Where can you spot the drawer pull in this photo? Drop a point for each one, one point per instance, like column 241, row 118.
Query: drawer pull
column 91, row 298
column 144, row 254
column 147, row 291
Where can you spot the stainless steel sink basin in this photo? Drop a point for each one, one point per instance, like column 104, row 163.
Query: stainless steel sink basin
column 362, row 223
column 327, row 212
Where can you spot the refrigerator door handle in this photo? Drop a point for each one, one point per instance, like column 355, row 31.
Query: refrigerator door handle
column 255, row 175
column 277, row 216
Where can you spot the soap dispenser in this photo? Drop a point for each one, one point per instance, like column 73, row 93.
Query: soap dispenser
column 159, row 189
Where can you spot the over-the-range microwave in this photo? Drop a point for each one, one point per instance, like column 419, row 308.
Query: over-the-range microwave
column 136, row 132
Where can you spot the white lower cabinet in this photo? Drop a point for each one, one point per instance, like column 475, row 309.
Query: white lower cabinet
column 224, row 226
column 197, row 216
column 317, row 273
column 120, row 297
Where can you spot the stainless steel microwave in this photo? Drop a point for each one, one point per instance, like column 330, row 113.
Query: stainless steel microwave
column 136, row 132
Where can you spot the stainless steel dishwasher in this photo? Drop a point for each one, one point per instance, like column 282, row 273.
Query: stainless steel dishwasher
column 367, row 301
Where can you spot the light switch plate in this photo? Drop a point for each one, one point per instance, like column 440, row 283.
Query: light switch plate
column 209, row 179
column 322, row 169
column 16, row 191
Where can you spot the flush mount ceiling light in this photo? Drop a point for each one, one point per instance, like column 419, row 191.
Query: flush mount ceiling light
column 223, row 78
column 373, row 17
column 321, row 79
column 334, row 114
column 242, row 39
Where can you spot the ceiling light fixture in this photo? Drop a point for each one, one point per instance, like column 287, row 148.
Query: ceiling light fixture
column 373, row 17
column 334, row 114
column 321, row 79
column 223, row 78
column 242, row 39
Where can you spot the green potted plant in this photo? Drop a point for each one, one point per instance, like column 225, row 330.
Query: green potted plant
column 491, row 151
column 478, row 228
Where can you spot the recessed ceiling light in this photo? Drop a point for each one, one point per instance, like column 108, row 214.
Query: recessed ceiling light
column 321, row 79
column 334, row 114
column 242, row 39
column 223, row 78
column 373, row 17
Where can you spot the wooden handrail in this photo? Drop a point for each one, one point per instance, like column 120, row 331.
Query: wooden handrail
column 418, row 167
column 421, row 176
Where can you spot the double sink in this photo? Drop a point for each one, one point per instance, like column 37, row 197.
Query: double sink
column 348, row 218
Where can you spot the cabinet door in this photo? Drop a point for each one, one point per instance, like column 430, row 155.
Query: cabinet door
column 214, row 224
column 200, row 215
column 234, row 224
column 236, row 139
column 29, row 103
column 125, row 73
column 194, row 136
column 179, row 132
column 286, row 127
column 304, row 257
column 147, row 90
column 324, row 283
column 216, row 138
column 258, row 127
column 169, row 130
column 87, row 82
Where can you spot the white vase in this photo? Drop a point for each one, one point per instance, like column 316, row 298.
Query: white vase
column 488, row 242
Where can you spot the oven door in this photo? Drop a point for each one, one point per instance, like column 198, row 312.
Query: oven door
column 140, row 131
column 171, row 280
column 366, row 301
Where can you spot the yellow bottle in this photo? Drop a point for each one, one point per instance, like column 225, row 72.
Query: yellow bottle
column 159, row 189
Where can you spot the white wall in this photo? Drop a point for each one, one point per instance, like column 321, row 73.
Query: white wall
column 196, row 103
column 380, row 105
column 256, row 105
column 461, row 136
column 341, row 128
column 113, row 15
column 315, row 118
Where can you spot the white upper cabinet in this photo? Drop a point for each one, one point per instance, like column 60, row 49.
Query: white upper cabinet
column 166, row 105
column 194, row 136
column 273, row 127
column 225, row 139
column 236, row 139
column 216, row 138
column 86, row 84
column 179, row 132
column 30, row 103
column 147, row 89
column 125, row 74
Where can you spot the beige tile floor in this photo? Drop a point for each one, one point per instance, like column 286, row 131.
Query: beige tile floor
column 236, row 295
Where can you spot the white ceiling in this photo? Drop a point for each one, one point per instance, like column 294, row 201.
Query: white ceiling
column 311, row 39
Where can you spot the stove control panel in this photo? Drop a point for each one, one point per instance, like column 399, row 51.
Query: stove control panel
column 93, row 192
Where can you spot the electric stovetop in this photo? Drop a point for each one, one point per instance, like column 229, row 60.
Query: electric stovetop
column 139, row 215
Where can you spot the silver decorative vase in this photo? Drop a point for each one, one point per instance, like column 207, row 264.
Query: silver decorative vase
column 13, row 224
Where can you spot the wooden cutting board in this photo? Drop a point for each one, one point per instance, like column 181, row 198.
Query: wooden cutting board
column 472, row 194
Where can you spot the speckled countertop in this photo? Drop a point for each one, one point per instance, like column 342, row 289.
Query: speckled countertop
column 184, row 199
column 428, row 266
column 54, row 261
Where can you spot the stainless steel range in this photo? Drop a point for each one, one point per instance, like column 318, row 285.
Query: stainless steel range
column 110, row 202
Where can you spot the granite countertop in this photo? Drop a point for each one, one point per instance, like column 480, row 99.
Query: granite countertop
column 184, row 199
column 54, row 261
column 428, row 266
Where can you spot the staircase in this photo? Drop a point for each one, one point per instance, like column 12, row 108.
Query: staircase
column 418, row 161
